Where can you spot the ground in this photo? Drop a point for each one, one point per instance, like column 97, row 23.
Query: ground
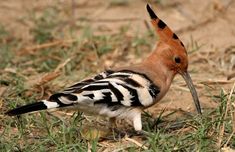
column 48, row 45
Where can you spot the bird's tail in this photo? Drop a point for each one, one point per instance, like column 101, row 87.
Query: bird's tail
column 57, row 100
column 41, row 105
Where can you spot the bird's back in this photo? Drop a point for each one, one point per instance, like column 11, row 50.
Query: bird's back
column 109, row 93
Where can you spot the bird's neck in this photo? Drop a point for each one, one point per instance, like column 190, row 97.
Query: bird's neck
column 163, row 74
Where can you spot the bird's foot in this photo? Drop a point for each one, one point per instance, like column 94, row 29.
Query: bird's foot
column 140, row 133
column 116, row 134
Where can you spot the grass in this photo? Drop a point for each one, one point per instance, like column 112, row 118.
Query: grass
column 194, row 46
column 197, row 133
column 48, row 132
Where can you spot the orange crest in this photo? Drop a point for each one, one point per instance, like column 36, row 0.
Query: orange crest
column 165, row 33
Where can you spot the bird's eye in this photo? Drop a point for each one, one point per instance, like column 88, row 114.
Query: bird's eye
column 177, row 59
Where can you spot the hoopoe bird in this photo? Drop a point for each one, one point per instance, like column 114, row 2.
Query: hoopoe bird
column 123, row 93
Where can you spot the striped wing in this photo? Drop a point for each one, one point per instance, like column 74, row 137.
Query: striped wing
column 111, row 88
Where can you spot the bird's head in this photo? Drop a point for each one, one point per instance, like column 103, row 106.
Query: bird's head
column 172, row 53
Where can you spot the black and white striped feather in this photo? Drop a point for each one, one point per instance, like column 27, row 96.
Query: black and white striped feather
column 109, row 93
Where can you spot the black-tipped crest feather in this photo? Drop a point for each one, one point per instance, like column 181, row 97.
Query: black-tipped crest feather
column 151, row 12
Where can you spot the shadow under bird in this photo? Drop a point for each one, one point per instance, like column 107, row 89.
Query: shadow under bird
column 124, row 92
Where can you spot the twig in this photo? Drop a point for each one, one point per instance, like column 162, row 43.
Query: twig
column 214, row 82
column 230, row 76
column 43, row 46
column 48, row 77
column 60, row 66
column 221, row 133
column 233, row 116
column 89, row 147
column 119, row 149
column 232, row 113
column 136, row 142
column 110, row 19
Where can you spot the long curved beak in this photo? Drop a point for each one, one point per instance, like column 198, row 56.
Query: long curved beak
column 192, row 89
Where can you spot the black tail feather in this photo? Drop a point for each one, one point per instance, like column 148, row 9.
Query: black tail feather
column 27, row 108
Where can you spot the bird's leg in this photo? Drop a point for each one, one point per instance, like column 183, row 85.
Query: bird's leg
column 138, row 125
column 137, row 121
column 116, row 132
column 113, row 122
